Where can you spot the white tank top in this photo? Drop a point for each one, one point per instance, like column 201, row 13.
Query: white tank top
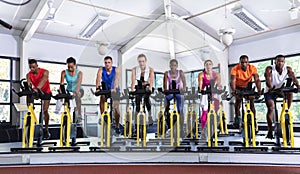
column 278, row 79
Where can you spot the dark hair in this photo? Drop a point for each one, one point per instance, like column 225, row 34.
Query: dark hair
column 107, row 57
column 142, row 55
column 71, row 60
column 278, row 56
column 244, row 57
column 173, row 60
column 31, row 61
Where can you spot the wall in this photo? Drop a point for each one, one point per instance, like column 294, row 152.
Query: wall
column 266, row 48
column 9, row 45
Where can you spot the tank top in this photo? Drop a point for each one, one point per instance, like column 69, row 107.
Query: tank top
column 35, row 80
column 72, row 81
column 278, row 79
column 206, row 81
column 109, row 79
column 179, row 84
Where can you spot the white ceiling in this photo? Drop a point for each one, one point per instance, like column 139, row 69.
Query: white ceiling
column 127, row 21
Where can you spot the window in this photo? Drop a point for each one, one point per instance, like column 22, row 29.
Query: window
column 294, row 62
column 188, row 79
column 261, row 67
column 54, row 69
column 5, row 69
column 159, row 80
column 89, row 74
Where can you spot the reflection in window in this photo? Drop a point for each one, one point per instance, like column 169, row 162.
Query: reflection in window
column 5, row 69
column 159, row 80
column 89, row 75
column 54, row 70
column 5, row 113
column 294, row 63
column 4, row 92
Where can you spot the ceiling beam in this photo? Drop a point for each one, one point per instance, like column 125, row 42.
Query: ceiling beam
column 39, row 13
column 169, row 27
column 133, row 43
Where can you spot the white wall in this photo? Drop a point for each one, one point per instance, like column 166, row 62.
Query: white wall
column 9, row 45
column 266, row 48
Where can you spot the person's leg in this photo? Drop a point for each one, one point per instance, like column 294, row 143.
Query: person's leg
column 204, row 106
column 46, row 104
column 290, row 99
column 270, row 113
column 78, row 108
column 102, row 100
column 137, row 110
column 148, row 106
column 237, row 106
column 116, row 112
column 167, row 100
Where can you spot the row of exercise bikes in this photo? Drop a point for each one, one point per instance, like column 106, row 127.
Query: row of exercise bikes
column 170, row 134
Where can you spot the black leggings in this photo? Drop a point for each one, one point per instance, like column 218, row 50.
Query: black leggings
column 147, row 102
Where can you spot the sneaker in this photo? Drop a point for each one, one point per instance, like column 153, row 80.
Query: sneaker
column 47, row 135
column 270, row 135
column 117, row 131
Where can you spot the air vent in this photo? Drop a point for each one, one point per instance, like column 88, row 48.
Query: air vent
column 249, row 19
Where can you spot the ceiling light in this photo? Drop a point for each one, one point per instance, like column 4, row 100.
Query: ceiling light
column 93, row 26
column 102, row 47
column 249, row 19
column 226, row 36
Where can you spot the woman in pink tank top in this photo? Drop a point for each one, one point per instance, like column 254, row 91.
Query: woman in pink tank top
column 204, row 80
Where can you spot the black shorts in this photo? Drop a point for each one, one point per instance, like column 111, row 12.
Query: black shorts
column 46, row 96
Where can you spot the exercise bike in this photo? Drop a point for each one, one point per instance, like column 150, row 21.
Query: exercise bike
column 161, row 125
column 222, row 114
column 174, row 115
column 192, row 117
column 249, row 121
column 141, row 130
column 212, row 128
column 128, row 114
column 105, row 134
column 68, row 126
column 284, row 125
column 32, row 127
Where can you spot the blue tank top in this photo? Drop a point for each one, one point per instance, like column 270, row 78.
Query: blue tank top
column 72, row 81
column 109, row 79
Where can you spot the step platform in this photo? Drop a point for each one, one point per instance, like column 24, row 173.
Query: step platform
column 46, row 143
column 213, row 149
column 64, row 149
column 104, row 149
column 141, row 149
column 26, row 149
column 286, row 149
column 240, row 143
column 181, row 148
column 251, row 149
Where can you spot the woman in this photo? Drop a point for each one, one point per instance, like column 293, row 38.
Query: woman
column 178, row 76
column 204, row 79
column 74, row 78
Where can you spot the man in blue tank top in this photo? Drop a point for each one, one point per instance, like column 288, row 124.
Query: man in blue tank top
column 110, row 75
column 74, row 78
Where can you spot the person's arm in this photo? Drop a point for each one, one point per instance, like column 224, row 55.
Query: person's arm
column 151, row 78
column 219, row 86
column 291, row 74
column 79, row 83
column 62, row 77
column 44, row 79
column 99, row 77
column 233, row 84
column 117, row 79
column 257, row 83
column 268, row 77
column 182, row 76
column 133, row 76
column 200, row 80
column 28, row 79
column 165, row 80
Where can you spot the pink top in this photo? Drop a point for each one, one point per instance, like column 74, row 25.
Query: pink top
column 179, row 84
column 207, row 81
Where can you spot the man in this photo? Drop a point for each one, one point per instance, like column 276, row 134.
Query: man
column 275, row 76
column 110, row 75
column 241, row 74
column 145, row 74
column 39, row 79
column 74, row 78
